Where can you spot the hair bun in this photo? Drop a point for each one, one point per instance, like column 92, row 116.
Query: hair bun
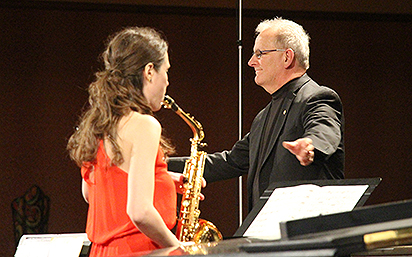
column 115, row 73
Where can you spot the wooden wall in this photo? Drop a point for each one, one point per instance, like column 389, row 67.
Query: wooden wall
column 49, row 52
column 348, row 6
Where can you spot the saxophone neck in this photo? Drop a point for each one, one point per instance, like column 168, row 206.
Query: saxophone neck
column 194, row 125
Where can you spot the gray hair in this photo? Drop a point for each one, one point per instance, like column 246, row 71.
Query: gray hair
column 289, row 35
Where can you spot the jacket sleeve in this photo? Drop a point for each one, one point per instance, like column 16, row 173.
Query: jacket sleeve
column 220, row 165
column 323, row 122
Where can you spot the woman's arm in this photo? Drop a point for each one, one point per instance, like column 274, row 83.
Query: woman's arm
column 85, row 191
column 143, row 133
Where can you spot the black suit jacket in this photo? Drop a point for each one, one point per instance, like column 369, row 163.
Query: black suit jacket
column 309, row 110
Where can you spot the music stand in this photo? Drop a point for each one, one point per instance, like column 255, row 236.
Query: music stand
column 372, row 183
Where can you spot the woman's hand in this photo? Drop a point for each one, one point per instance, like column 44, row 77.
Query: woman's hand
column 180, row 180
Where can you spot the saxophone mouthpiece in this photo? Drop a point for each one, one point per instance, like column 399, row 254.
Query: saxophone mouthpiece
column 169, row 103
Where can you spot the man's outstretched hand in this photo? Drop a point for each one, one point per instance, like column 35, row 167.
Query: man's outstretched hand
column 303, row 149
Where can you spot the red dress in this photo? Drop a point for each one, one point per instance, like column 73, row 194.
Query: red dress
column 109, row 228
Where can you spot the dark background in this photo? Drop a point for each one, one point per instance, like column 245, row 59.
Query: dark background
column 50, row 50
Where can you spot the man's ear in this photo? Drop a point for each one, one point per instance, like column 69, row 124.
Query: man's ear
column 148, row 71
column 289, row 57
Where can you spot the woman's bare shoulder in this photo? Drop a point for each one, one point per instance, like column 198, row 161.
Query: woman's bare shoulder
column 140, row 123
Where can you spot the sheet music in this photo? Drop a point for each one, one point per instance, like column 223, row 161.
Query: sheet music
column 50, row 245
column 303, row 201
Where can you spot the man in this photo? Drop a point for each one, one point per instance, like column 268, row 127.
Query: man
column 299, row 134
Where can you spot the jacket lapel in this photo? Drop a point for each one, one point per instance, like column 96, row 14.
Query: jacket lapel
column 257, row 137
column 287, row 103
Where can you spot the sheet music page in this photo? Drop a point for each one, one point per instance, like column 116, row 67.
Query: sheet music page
column 64, row 245
column 303, row 201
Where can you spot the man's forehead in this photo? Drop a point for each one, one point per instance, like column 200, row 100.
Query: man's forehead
column 268, row 32
column 265, row 37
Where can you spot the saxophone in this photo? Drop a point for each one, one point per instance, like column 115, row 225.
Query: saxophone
column 190, row 228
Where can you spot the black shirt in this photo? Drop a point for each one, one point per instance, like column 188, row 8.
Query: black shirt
column 261, row 180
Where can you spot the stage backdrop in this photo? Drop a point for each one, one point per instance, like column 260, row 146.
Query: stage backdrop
column 50, row 50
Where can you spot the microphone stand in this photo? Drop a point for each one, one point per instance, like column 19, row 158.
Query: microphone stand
column 239, row 45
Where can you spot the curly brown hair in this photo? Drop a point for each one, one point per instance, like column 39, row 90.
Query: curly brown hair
column 117, row 91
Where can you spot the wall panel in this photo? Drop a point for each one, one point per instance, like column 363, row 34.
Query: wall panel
column 49, row 54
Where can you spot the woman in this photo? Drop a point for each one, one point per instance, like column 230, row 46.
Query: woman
column 118, row 144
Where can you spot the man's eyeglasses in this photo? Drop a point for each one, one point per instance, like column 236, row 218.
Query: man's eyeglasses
column 259, row 53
